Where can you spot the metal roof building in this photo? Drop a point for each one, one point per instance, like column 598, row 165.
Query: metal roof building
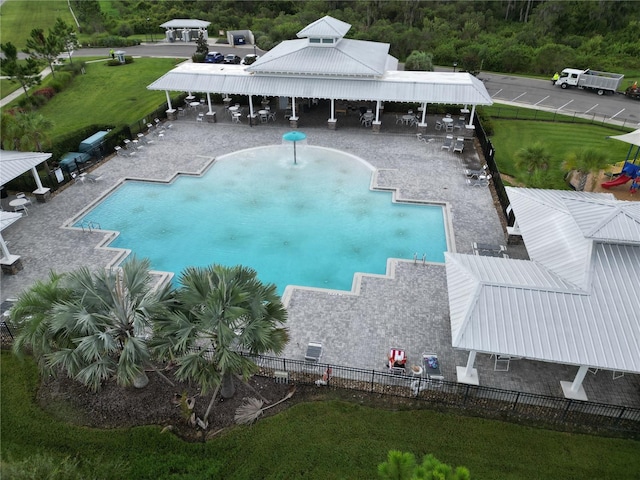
column 575, row 302
column 324, row 64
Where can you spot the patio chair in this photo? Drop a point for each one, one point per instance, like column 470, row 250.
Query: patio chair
column 447, row 142
column 200, row 117
column 93, row 178
column 502, row 362
column 397, row 361
column 23, row 196
column 438, row 125
column 431, row 366
column 449, row 127
column 459, row 145
column 126, row 142
column 272, row 116
column 314, row 352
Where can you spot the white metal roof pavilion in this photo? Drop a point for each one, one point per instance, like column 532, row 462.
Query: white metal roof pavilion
column 575, row 302
column 323, row 64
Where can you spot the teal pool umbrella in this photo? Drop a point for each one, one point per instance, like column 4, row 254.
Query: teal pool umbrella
column 294, row 137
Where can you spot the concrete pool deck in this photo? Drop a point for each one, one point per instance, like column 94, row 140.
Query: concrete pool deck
column 408, row 310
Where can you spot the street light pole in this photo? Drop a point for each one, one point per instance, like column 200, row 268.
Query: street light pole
column 455, row 65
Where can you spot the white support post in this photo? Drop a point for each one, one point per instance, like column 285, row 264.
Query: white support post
column 333, row 110
column 293, row 107
column 209, row 102
column 468, row 374
column 36, row 177
column 424, row 113
column 169, row 99
column 378, row 110
column 575, row 390
column 473, row 112
column 251, row 105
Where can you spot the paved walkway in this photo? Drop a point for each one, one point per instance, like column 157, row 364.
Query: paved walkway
column 406, row 309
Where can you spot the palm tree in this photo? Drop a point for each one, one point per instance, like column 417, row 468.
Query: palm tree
column 31, row 315
column 223, row 311
column 587, row 161
column 94, row 325
column 34, row 131
column 533, row 158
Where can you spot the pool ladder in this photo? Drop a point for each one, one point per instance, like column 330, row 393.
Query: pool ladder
column 415, row 258
column 89, row 226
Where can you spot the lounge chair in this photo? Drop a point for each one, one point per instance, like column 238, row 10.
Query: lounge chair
column 475, row 173
column 459, row 146
column 479, row 182
column 93, row 178
column 431, row 366
column 448, row 140
column 397, row 360
column 314, row 352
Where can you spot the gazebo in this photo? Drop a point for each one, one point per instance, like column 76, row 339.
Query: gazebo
column 12, row 165
column 185, row 30
column 574, row 302
column 322, row 64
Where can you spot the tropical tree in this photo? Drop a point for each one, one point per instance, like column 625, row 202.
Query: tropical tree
column 32, row 314
column 97, row 325
column 222, row 312
column 24, row 73
column 403, row 466
column 587, row 161
column 33, row 129
column 533, row 158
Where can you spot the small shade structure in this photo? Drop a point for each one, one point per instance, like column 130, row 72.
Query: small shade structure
column 632, row 138
column 294, row 136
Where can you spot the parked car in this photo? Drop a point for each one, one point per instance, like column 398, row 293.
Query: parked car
column 214, row 57
column 250, row 58
column 232, row 58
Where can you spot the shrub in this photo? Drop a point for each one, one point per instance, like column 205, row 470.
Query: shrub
column 46, row 92
column 112, row 41
column 198, row 57
column 125, row 30
column 62, row 81
column 74, row 68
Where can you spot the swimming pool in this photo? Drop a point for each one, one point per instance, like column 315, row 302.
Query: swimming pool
column 312, row 224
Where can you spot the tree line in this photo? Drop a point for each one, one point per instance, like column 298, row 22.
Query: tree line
column 519, row 36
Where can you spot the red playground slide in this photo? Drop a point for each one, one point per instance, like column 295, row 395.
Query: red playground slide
column 621, row 180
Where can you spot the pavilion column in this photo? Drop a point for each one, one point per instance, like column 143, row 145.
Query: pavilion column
column 42, row 193
column 575, row 390
column 422, row 125
column 293, row 120
column 331, row 123
column 378, row 110
column 470, row 128
column 252, row 115
column 10, row 264
column 468, row 374
column 211, row 115
column 171, row 113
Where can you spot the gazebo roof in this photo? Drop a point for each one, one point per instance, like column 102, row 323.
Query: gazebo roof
column 13, row 164
column 574, row 302
column 185, row 23
column 327, row 27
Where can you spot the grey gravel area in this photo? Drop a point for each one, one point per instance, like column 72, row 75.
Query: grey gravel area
column 407, row 308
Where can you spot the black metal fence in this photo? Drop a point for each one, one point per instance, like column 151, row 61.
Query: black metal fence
column 478, row 400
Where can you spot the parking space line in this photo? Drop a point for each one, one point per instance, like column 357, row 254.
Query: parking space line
column 560, row 108
column 496, row 93
column 542, row 100
column 592, row 108
column 614, row 116
column 521, row 95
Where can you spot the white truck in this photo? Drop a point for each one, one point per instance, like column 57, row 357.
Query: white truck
column 601, row 82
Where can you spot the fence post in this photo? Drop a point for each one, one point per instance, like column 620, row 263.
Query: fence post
column 566, row 410
column 515, row 402
column 619, row 417
column 373, row 375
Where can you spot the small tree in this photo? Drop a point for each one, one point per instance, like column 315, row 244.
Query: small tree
column 24, row 73
column 44, row 47
column 202, row 47
column 533, row 158
column 419, row 61
column 66, row 35
column 587, row 161
column 402, row 466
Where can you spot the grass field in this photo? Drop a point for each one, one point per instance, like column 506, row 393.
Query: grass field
column 111, row 95
column 40, row 14
column 559, row 138
column 319, row 440
column 7, row 87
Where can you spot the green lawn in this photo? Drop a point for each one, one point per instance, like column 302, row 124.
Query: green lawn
column 40, row 14
column 323, row 440
column 7, row 87
column 559, row 138
column 108, row 95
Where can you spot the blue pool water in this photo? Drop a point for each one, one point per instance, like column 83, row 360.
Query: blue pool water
column 314, row 224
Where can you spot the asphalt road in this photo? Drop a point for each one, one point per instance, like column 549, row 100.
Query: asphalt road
column 520, row 91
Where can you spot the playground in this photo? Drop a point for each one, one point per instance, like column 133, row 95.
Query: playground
column 623, row 180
